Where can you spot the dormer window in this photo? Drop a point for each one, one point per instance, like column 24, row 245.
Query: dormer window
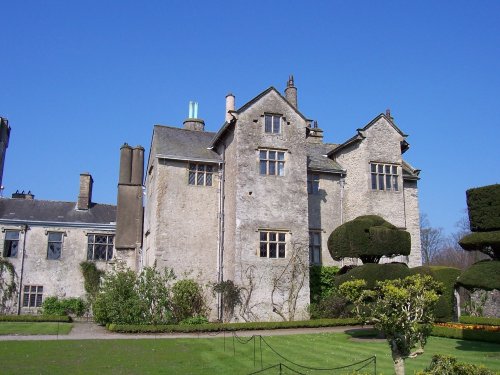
column 272, row 124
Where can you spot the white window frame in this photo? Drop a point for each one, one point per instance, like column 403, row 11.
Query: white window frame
column 54, row 242
column 272, row 123
column 315, row 247
column 200, row 174
column 272, row 244
column 108, row 246
column 384, row 177
column 271, row 162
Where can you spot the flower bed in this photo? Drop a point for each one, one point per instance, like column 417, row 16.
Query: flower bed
column 476, row 327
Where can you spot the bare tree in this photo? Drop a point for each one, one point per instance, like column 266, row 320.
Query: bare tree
column 247, row 306
column 431, row 239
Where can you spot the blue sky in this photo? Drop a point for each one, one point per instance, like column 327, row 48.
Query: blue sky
column 78, row 79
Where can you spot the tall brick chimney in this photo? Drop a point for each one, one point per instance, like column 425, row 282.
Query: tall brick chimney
column 229, row 106
column 85, row 195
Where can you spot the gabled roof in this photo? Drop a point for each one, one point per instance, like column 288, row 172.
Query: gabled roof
column 182, row 144
column 360, row 134
column 317, row 161
column 31, row 210
column 247, row 105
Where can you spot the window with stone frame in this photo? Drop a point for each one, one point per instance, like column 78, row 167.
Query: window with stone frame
column 313, row 183
column 272, row 162
column 384, row 177
column 54, row 245
column 100, row 247
column 315, row 247
column 200, row 174
column 11, row 243
column 272, row 244
column 272, row 123
column 32, row 295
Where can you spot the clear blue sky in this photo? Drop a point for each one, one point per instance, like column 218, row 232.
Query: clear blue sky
column 77, row 79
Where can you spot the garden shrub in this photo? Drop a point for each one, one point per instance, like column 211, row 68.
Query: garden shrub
column 444, row 310
column 194, row 320
column 368, row 238
column 332, row 306
column 372, row 273
column 35, row 318
column 187, row 300
column 230, row 295
column 465, row 334
column 91, row 279
column 480, row 320
column 484, row 208
column 64, row 306
column 321, row 279
column 448, row 365
column 481, row 275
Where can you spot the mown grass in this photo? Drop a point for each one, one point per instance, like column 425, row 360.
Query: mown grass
column 34, row 328
column 216, row 355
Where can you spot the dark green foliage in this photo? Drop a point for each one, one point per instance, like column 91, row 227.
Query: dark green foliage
column 64, row 306
column 91, row 279
column 480, row 320
column 481, row 275
column 484, row 208
column 118, row 301
column 372, row 273
column 187, row 300
column 486, row 242
column 34, row 318
column 321, row 279
column 448, row 276
column 218, row 327
column 231, row 297
column 368, row 238
column 332, row 306
column 8, row 286
column 194, row 320
column 466, row 334
column 447, row 365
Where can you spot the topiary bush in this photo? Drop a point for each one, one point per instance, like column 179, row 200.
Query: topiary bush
column 444, row 309
column 486, row 242
column 481, row 275
column 484, row 208
column 372, row 273
column 368, row 238
column 187, row 300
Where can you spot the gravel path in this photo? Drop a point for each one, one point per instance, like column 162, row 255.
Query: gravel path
column 91, row 331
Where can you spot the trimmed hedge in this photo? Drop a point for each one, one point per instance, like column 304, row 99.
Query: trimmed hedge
column 484, row 208
column 369, row 238
column 480, row 320
column 372, row 273
column 444, row 364
column 482, row 241
column 481, row 275
column 35, row 318
column 321, row 279
column 465, row 334
column 444, row 309
column 219, row 327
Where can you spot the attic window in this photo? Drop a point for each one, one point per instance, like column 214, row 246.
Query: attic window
column 272, row 124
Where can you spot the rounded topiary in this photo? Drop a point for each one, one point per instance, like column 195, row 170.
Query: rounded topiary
column 484, row 208
column 486, row 242
column 481, row 275
column 372, row 273
column 444, row 309
column 369, row 238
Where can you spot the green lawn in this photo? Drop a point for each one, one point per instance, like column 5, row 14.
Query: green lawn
column 34, row 328
column 207, row 356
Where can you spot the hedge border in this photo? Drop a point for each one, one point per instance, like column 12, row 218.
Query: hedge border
column 219, row 327
column 35, row 318
column 465, row 334
column 480, row 320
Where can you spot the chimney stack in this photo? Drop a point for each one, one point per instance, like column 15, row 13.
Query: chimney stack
column 229, row 106
column 85, row 196
column 193, row 122
column 291, row 92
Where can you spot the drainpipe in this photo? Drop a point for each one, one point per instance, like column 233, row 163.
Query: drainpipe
column 342, row 183
column 25, row 231
column 220, row 250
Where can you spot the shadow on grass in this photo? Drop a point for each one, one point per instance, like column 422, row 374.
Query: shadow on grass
column 365, row 334
column 478, row 346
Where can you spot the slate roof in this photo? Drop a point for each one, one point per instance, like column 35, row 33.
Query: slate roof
column 410, row 173
column 54, row 211
column 317, row 161
column 183, row 144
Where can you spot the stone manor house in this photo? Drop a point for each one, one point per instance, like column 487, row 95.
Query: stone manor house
column 254, row 203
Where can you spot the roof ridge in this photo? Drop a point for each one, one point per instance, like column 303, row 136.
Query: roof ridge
column 186, row 130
